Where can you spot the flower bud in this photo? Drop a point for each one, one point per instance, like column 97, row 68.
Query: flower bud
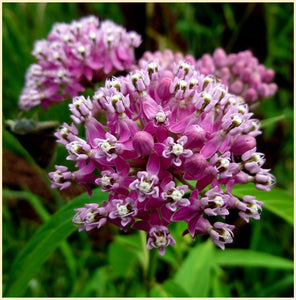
column 195, row 164
column 143, row 142
column 246, row 74
column 268, row 75
column 250, row 95
column 220, row 58
column 242, row 144
column 163, row 88
column 236, row 87
column 196, row 136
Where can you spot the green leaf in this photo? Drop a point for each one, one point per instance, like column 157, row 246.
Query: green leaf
column 121, row 259
column 271, row 121
column 277, row 287
column 43, row 243
column 174, row 289
column 194, row 273
column 158, row 291
column 277, row 201
column 250, row 258
column 219, row 288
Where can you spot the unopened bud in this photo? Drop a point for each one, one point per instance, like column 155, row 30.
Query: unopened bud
column 143, row 142
column 196, row 136
column 250, row 95
column 236, row 87
column 220, row 58
column 195, row 164
column 242, row 144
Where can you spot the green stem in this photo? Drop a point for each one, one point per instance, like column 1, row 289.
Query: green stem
column 148, row 265
column 182, row 180
column 145, row 260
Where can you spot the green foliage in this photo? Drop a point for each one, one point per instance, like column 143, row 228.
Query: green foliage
column 48, row 237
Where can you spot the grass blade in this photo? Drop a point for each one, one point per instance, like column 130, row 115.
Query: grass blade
column 250, row 258
column 43, row 243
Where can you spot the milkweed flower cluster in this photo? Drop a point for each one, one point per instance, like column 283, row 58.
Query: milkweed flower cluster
column 241, row 71
column 75, row 56
column 172, row 145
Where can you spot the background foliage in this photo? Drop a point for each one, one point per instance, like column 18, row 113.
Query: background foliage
column 43, row 255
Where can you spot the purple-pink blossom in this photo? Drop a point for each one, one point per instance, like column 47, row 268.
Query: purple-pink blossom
column 75, row 56
column 172, row 145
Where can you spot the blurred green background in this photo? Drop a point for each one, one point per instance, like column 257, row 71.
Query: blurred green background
column 110, row 263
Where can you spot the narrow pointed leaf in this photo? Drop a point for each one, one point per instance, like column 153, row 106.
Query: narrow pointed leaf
column 43, row 243
column 194, row 274
column 250, row 258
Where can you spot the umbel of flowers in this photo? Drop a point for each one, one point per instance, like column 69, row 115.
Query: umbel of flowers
column 172, row 145
column 75, row 56
column 241, row 71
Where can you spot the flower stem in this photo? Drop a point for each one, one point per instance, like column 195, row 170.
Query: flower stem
column 148, row 264
column 181, row 179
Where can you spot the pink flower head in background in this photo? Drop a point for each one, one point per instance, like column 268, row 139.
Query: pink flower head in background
column 241, row 72
column 75, row 56
column 173, row 143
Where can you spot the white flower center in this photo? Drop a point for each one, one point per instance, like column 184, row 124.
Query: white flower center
column 224, row 163
column 110, row 39
column 144, row 187
column 253, row 208
column 64, row 131
column 152, row 66
column 160, row 117
column 242, row 109
column 176, row 195
column 231, row 101
column 136, row 77
column 76, row 148
column 106, row 180
column 92, row 35
column 193, row 82
column 78, row 102
column 226, row 235
column 78, row 220
column 256, row 157
column 177, row 149
column 67, row 38
column 81, row 49
column 56, row 55
column 183, row 84
column 105, row 146
column 207, row 97
column 218, row 200
column 90, row 217
column 254, row 126
column 60, row 74
column 116, row 98
column 236, row 120
column 161, row 241
column 122, row 210
column 57, row 177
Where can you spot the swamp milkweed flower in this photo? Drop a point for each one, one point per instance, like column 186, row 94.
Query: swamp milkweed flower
column 75, row 56
column 173, row 143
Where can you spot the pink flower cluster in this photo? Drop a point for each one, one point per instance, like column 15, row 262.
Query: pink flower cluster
column 241, row 72
column 74, row 56
column 172, row 145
